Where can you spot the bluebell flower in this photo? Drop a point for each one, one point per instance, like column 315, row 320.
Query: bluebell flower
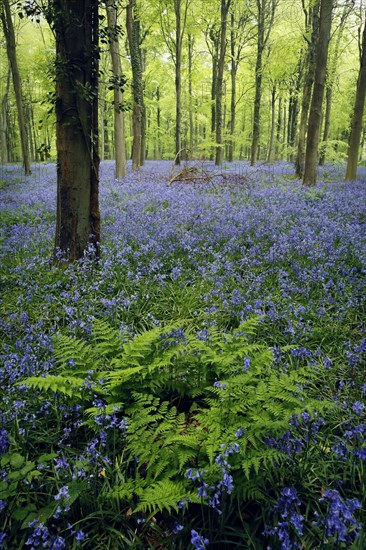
column 199, row 542
column 339, row 520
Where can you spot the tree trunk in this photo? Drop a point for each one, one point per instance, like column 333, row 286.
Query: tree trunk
column 279, row 128
column 308, row 86
column 315, row 116
column 8, row 28
column 190, row 94
column 356, row 127
column 265, row 17
column 328, row 109
column 273, row 125
column 158, row 120
column 138, row 114
column 233, row 91
column 213, row 98
column 225, row 5
column 78, row 218
column 178, row 86
column 119, row 131
column 4, row 155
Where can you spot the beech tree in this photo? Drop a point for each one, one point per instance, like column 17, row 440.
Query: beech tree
column 308, row 67
column 315, row 116
column 118, row 81
column 225, row 6
column 78, row 219
column 138, row 113
column 264, row 14
column 8, row 28
column 356, row 126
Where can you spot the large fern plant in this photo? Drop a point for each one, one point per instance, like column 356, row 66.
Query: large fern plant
column 185, row 396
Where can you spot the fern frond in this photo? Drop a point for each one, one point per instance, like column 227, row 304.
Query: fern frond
column 162, row 495
column 67, row 385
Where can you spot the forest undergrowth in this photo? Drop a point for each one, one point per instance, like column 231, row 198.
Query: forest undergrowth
column 203, row 385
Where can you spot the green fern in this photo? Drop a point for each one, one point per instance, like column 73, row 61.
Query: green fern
column 69, row 385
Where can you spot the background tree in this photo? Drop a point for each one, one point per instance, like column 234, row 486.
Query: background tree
column 315, row 116
column 117, row 83
column 78, row 219
column 8, row 28
column 307, row 65
column 138, row 114
column 356, row 126
column 225, row 6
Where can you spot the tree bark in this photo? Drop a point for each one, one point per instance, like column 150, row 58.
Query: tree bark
column 273, row 125
column 328, row 110
column 178, row 86
column 265, row 17
column 215, row 40
column 315, row 115
column 225, row 5
column 233, row 90
column 4, row 123
column 78, row 218
column 8, row 28
column 190, row 94
column 356, row 127
column 313, row 24
column 138, row 113
column 119, row 130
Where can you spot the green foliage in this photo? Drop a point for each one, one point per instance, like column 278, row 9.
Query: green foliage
column 184, row 397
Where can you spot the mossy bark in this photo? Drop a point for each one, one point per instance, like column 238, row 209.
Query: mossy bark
column 78, row 218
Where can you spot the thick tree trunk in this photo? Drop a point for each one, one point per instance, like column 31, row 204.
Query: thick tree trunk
column 315, row 116
column 313, row 22
column 138, row 116
column 119, row 131
column 356, row 128
column 78, row 218
column 8, row 28
column 225, row 5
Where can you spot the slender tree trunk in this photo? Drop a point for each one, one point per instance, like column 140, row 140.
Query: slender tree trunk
column 273, row 125
column 308, row 86
column 315, row 116
column 78, row 218
column 158, row 120
column 213, row 101
column 328, row 110
column 258, row 90
column 279, row 128
column 178, row 86
column 138, row 118
column 285, row 122
column 4, row 155
column 265, row 17
column 233, row 91
column 356, row 127
column 190, row 94
column 225, row 5
column 8, row 28
column 119, row 131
